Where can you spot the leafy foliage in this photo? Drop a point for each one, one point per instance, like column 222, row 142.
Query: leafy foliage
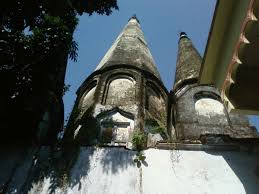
column 36, row 39
column 91, row 6
column 139, row 140
column 19, row 14
column 155, row 126
column 140, row 158
column 66, row 88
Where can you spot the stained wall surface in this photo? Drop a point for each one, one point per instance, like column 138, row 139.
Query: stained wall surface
column 200, row 111
column 155, row 104
column 121, row 91
column 112, row 170
column 88, row 99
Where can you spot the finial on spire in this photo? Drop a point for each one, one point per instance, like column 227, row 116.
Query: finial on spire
column 183, row 35
column 134, row 17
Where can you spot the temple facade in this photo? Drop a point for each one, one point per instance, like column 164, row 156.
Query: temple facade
column 125, row 94
column 128, row 134
column 198, row 111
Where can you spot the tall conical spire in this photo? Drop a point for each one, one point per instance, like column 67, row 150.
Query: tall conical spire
column 130, row 48
column 188, row 62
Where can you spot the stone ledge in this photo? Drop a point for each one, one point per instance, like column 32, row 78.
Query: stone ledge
column 199, row 147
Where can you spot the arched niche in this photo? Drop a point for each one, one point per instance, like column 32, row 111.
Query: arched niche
column 116, row 125
column 88, row 97
column 209, row 105
column 120, row 90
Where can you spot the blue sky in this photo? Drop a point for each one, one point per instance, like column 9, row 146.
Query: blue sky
column 161, row 22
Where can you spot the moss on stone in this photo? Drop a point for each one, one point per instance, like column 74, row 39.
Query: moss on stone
column 155, row 126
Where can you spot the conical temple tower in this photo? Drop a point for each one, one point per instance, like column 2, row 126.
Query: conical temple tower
column 198, row 112
column 212, row 152
column 124, row 94
column 130, row 48
column 188, row 63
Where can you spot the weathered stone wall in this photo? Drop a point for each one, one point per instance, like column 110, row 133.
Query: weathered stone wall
column 188, row 63
column 199, row 111
column 112, row 170
column 121, row 79
column 155, row 104
column 119, row 87
column 88, row 98
column 122, row 89
column 156, row 101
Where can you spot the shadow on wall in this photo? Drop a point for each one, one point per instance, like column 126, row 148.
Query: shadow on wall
column 48, row 170
column 243, row 164
column 116, row 159
column 52, row 168
column 41, row 170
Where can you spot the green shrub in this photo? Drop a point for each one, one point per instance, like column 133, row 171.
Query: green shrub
column 155, row 126
column 139, row 140
column 140, row 158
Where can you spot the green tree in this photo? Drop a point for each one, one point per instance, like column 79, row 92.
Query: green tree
column 36, row 40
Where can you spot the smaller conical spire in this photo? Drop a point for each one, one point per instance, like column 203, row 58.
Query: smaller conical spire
column 134, row 17
column 188, row 62
column 183, row 35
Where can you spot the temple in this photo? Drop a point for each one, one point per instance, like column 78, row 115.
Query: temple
column 124, row 94
column 128, row 134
